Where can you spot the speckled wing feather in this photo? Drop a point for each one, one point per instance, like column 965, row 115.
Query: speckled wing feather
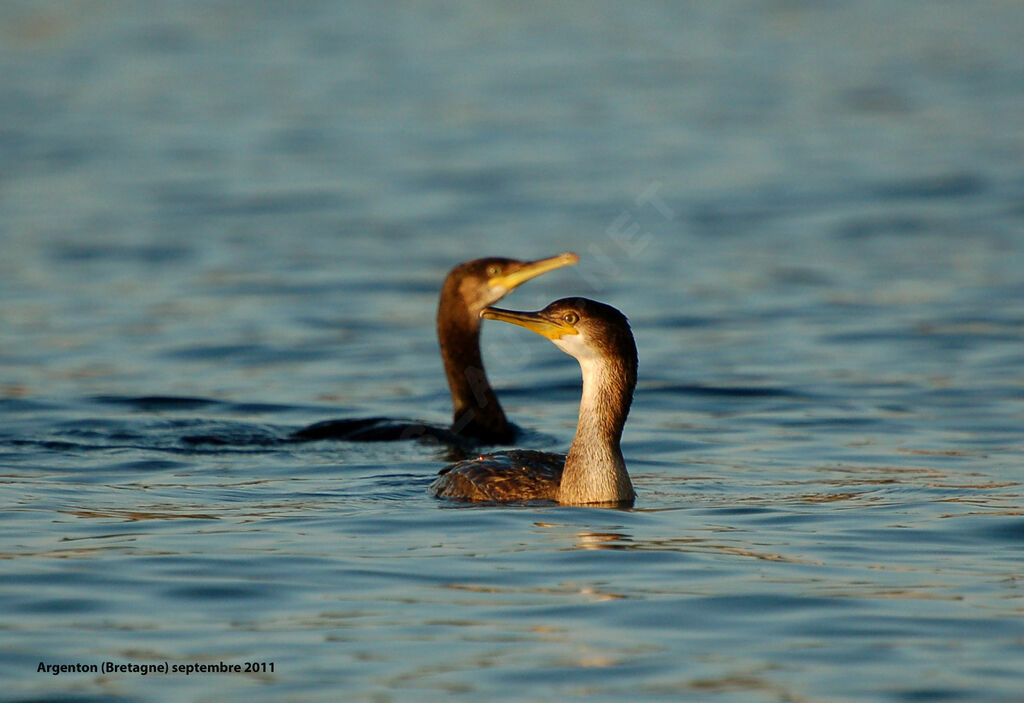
column 502, row 477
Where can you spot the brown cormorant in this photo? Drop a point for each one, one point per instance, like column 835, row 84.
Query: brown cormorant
column 478, row 418
column 594, row 471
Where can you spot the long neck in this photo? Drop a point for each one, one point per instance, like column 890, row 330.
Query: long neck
column 595, row 471
column 477, row 412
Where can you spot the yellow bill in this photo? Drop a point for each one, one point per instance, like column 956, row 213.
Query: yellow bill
column 533, row 321
column 533, row 269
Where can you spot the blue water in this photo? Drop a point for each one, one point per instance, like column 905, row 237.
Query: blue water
column 222, row 221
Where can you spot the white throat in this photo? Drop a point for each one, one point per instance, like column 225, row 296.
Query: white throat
column 595, row 471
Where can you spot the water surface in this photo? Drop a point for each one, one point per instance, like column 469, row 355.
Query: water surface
column 223, row 221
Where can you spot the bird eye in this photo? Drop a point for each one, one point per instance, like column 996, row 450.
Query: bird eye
column 493, row 270
column 571, row 318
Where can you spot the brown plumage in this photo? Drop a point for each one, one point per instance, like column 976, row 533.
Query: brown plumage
column 503, row 477
column 478, row 417
column 594, row 470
